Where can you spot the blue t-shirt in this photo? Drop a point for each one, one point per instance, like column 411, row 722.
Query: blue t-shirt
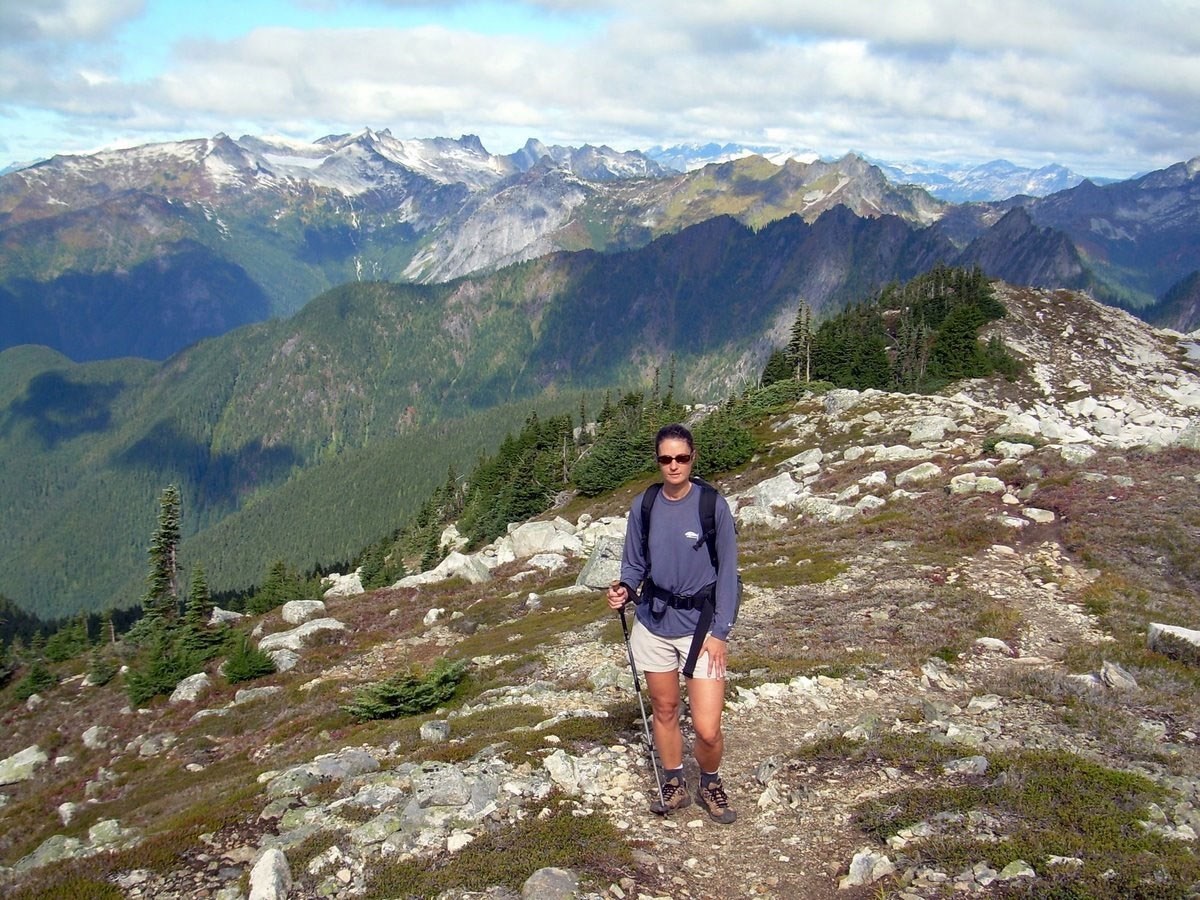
column 679, row 566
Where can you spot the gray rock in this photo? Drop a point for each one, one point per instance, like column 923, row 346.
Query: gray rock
column 249, row 695
column 604, row 564
column 1178, row 643
column 758, row 516
column 435, row 732
column 532, row 538
column 54, row 849
column 918, row 474
column 967, row 765
column 223, row 616
column 343, row 585
column 1115, row 677
column 779, row 492
column 928, row 429
column 1076, row 454
column 377, row 830
column 441, row 786
column 98, row 736
column 284, row 659
column 21, row 766
column 296, row 637
column 297, row 612
column 867, row 867
column 149, row 745
column 456, row 565
column 551, row 884
column 191, row 688
column 271, row 877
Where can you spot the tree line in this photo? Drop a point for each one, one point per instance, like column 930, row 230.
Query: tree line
column 916, row 337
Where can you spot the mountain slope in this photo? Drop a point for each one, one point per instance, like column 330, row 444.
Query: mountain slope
column 233, row 419
column 938, row 692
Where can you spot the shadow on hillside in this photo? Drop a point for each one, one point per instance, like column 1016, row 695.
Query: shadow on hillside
column 219, row 479
column 58, row 409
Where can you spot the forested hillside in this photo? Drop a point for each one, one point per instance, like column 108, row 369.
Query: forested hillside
column 302, row 439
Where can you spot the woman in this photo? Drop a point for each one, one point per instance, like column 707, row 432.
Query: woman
column 671, row 615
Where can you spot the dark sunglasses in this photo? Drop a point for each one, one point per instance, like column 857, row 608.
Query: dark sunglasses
column 682, row 458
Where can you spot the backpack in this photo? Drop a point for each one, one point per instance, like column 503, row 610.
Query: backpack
column 708, row 535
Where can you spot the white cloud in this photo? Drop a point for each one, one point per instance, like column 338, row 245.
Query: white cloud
column 1104, row 86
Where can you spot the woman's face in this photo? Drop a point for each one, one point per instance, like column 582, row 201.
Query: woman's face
column 674, row 472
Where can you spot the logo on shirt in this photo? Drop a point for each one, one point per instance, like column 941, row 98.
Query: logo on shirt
column 691, row 535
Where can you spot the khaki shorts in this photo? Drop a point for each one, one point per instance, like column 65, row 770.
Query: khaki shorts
column 652, row 653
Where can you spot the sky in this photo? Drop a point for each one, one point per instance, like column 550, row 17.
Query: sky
column 1108, row 88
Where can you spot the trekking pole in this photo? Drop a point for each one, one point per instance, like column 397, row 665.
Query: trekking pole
column 637, row 687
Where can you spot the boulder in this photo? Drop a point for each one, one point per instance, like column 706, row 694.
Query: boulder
column 930, row 429
column 532, row 538
column 781, row 491
column 191, row 688
column 296, row 637
column 21, row 766
column 297, row 612
column 98, row 736
column 224, row 616
column 551, row 883
column 1178, row 643
column 452, row 539
column 604, row 565
column 271, row 877
column 343, row 585
column 918, row 474
column 471, row 569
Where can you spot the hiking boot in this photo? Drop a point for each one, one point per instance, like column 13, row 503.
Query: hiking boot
column 674, row 796
column 714, row 802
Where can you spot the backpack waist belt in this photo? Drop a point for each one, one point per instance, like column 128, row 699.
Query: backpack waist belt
column 705, row 601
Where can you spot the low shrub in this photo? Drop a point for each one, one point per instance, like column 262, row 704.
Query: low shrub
column 409, row 693
column 246, row 662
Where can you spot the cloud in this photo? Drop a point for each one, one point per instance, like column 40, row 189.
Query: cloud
column 1101, row 85
column 64, row 20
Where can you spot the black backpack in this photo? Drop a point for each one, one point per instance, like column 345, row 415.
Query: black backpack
column 708, row 528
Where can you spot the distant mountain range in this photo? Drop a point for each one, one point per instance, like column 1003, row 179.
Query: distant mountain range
column 144, row 251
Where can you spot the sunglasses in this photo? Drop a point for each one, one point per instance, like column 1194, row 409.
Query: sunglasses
column 682, row 458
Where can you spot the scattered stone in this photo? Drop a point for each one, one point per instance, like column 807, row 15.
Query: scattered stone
column 191, row 688
column 98, row 736
column 21, row 766
column 271, row 877
column 551, row 884
column 867, row 867
column 435, row 732
column 1116, row 677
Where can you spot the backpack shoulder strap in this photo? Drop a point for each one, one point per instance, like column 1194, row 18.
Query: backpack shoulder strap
column 648, row 499
column 708, row 518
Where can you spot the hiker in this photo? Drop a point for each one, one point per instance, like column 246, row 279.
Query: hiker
column 684, row 613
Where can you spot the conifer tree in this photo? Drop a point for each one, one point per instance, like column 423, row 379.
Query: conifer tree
column 799, row 348
column 161, row 603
